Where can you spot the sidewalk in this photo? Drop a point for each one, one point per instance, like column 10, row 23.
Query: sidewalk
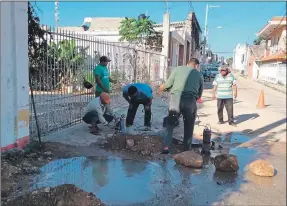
column 270, row 121
column 280, row 88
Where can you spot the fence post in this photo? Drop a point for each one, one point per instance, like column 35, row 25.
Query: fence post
column 148, row 64
column 135, row 65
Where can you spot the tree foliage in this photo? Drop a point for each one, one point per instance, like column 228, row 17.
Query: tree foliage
column 51, row 65
column 258, row 40
column 37, row 43
column 140, row 32
column 67, row 58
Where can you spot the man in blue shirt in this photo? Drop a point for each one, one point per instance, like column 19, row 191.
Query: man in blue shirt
column 137, row 94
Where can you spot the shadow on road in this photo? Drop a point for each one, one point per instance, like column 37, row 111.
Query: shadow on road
column 244, row 117
column 269, row 127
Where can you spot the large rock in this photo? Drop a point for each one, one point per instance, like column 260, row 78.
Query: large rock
column 226, row 163
column 130, row 143
column 189, row 159
column 262, row 168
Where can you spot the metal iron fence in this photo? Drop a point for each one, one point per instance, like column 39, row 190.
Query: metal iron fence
column 57, row 85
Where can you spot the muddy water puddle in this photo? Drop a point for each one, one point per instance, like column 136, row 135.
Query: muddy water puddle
column 129, row 182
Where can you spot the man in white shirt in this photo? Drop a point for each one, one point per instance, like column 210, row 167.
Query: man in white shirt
column 99, row 111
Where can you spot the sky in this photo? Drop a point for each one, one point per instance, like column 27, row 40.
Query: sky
column 240, row 21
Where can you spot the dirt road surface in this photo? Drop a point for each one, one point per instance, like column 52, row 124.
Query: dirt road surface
column 123, row 177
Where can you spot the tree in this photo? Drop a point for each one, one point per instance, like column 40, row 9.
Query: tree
column 258, row 40
column 68, row 59
column 51, row 64
column 140, row 32
column 37, row 45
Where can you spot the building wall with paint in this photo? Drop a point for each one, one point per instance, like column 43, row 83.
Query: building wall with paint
column 14, row 75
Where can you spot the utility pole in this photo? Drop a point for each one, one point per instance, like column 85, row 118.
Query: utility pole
column 56, row 13
column 166, row 6
column 206, row 25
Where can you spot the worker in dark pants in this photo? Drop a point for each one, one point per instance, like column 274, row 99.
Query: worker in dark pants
column 223, row 86
column 186, row 86
column 137, row 94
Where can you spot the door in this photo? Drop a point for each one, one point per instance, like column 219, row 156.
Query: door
column 180, row 55
column 187, row 51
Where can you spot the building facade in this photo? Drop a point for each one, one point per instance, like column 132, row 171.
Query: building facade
column 256, row 53
column 184, row 37
column 273, row 64
column 240, row 58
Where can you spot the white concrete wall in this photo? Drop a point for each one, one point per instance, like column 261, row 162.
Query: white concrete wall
column 255, row 70
column 273, row 72
column 14, row 75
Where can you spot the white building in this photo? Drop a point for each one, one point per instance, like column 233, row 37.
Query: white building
column 273, row 64
column 240, row 58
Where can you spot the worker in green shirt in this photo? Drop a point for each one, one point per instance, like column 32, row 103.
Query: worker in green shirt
column 102, row 76
column 185, row 84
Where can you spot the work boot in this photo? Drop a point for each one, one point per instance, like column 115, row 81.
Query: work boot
column 147, row 128
column 95, row 130
column 220, row 122
column 129, row 129
column 165, row 150
column 232, row 123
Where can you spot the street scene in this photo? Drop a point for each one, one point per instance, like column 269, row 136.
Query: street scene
column 154, row 104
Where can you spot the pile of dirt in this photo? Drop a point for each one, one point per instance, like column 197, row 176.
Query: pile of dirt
column 143, row 145
column 64, row 195
column 19, row 166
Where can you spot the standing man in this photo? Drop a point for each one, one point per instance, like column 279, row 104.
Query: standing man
column 102, row 76
column 186, row 86
column 99, row 111
column 223, row 85
column 137, row 94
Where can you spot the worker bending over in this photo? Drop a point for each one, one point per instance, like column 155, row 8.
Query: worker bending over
column 137, row 94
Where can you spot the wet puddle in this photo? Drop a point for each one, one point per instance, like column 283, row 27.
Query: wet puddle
column 130, row 182
column 114, row 181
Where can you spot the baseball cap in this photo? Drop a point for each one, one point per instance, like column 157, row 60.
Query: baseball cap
column 105, row 97
column 105, row 59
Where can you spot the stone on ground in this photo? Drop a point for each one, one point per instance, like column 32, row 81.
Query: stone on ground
column 189, row 159
column 226, row 163
column 261, row 168
column 130, row 143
